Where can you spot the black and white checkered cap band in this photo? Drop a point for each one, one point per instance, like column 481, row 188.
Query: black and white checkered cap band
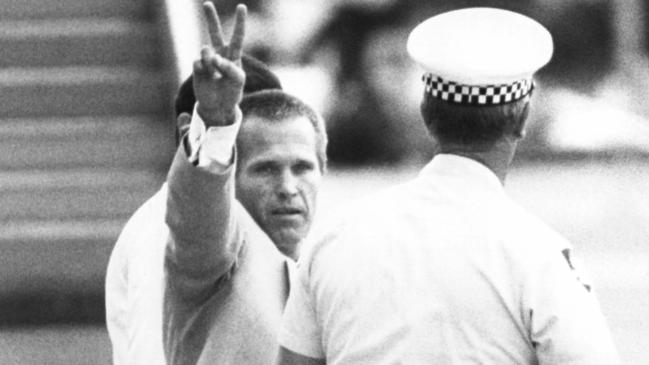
column 477, row 94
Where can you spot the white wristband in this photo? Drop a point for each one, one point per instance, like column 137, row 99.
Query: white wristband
column 212, row 147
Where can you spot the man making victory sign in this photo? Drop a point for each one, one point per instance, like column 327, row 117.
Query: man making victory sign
column 227, row 260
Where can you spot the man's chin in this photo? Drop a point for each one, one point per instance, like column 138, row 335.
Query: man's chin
column 287, row 241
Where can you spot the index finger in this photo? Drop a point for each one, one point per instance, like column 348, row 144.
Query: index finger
column 213, row 25
column 236, row 42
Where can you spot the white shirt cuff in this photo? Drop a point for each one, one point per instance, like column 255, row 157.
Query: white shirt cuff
column 212, row 147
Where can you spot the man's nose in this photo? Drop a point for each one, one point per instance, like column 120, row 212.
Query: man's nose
column 288, row 185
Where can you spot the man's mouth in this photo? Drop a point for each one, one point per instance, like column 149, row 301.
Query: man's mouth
column 286, row 211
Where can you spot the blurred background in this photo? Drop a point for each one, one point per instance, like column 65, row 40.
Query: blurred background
column 86, row 136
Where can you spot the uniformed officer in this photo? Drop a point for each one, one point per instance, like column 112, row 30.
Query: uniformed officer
column 446, row 269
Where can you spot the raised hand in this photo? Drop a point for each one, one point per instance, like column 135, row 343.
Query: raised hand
column 218, row 76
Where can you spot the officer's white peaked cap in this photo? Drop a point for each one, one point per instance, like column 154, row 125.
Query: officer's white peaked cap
column 480, row 47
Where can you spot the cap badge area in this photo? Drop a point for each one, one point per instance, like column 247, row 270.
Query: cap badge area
column 575, row 269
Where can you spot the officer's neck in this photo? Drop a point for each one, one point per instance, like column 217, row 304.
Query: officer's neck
column 497, row 157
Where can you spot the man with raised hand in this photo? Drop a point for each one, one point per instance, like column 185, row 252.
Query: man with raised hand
column 446, row 269
column 236, row 215
column 135, row 275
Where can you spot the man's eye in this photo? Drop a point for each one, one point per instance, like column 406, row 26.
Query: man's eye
column 303, row 167
column 263, row 169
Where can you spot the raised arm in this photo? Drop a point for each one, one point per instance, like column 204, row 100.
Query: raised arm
column 203, row 246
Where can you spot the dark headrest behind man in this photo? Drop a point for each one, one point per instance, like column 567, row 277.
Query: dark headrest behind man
column 258, row 77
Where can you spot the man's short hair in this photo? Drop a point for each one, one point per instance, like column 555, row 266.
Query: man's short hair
column 474, row 126
column 277, row 105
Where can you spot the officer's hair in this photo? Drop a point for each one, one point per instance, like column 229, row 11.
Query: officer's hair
column 276, row 105
column 475, row 127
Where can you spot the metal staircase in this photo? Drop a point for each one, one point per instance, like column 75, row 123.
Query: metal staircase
column 86, row 135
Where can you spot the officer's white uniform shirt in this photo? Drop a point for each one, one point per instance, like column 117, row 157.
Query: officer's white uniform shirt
column 135, row 274
column 444, row 269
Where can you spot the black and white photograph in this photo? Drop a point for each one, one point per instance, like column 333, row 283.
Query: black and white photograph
column 340, row 182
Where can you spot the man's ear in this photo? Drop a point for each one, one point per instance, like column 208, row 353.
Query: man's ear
column 182, row 126
column 182, row 123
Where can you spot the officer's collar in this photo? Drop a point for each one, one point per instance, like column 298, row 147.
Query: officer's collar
column 455, row 165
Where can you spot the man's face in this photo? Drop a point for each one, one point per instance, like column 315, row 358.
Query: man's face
column 278, row 177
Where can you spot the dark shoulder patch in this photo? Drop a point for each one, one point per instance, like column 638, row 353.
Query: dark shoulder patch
column 578, row 275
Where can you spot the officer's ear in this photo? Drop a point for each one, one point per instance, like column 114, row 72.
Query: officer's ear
column 519, row 130
column 520, row 122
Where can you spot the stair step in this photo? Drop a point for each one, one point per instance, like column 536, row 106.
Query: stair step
column 25, row 231
column 83, row 41
column 56, row 256
column 74, row 194
column 38, row 9
column 86, row 136
column 53, row 271
column 31, row 92
column 144, row 141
